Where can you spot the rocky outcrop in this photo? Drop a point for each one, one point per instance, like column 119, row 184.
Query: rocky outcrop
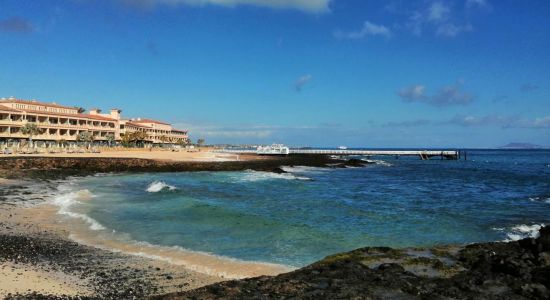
column 514, row 270
column 14, row 166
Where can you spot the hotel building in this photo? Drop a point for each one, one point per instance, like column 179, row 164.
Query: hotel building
column 64, row 123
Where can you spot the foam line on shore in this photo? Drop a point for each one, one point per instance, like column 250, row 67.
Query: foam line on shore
column 66, row 200
column 201, row 262
column 85, row 230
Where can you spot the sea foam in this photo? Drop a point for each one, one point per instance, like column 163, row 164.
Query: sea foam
column 540, row 199
column 303, row 169
column 157, row 186
column 67, row 200
column 252, row 176
column 377, row 162
column 523, row 231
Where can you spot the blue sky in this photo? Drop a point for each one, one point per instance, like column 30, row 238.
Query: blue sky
column 394, row 73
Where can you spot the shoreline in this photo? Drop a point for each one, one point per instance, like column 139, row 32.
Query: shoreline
column 36, row 248
column 38, row 244
column 26, row 219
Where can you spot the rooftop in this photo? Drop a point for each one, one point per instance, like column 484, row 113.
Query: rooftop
column 34, row 102
column 149, row 121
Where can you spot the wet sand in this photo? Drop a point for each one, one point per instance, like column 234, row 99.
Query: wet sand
column 41, row 248
column 37, row 255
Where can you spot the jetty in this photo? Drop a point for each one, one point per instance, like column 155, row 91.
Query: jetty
column 278, row 149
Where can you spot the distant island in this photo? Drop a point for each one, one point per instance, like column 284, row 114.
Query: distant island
column 520, row 146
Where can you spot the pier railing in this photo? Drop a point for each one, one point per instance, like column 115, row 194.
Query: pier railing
column 423, row 154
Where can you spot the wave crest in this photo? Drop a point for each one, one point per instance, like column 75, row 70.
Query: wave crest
column 252, row 176
column 67, row 200
column 523, row 231
column 377, row 162
column 157, row 186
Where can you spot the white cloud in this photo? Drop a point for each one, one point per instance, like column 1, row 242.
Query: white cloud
column 302, row 81
column 500, row 121
column 452, row 30
column 543, row 122
column 309, row 6
column 438, row 12
column 413, row 93
column 440, row 18
column 368, row 29
column 446, row 96
column 476, row 3
column 238, row 133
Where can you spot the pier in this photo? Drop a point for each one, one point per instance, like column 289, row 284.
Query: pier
column 422, row 154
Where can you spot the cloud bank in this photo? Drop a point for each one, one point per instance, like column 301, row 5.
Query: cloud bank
column 368, row 29
column 504, row 122
column 309, row 6
column 446, row 96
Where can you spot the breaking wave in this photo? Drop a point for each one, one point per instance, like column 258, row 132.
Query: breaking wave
column 523, row 231
column 540, row 199
column 157, row 186
column 303, row 169
column 377, row 162
column 67, row 200
column 252, row 176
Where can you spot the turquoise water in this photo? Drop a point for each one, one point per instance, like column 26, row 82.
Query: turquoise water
column 297, row 218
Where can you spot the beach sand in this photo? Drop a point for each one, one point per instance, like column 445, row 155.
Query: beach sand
column 48, row 253
column 204, row 155
column 37, row 255
column 40, row 248
column 23, row 279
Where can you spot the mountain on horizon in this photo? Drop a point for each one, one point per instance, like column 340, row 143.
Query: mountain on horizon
column 520, row 146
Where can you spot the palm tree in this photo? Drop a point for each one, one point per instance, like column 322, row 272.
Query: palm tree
column 86, row 137
column 110, row 138
column 137, row 136
column 30, row 129
column 163, row 139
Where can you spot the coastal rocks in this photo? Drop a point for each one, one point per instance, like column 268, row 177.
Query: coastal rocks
column 502, row 270
column 72, row 258
column 67, row 166
column 278, row 170
column 350, row 163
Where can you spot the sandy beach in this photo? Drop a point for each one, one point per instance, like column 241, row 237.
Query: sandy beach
column 43, row 252
column 202, row 155
column 47, row 256
column 37, row 255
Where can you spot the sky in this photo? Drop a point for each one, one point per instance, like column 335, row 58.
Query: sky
column 360, row 73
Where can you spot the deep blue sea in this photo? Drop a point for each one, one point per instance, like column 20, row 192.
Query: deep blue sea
column 300, row 217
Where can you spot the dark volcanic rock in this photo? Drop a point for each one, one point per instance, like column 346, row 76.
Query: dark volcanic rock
column 279, row 171
column 76, row 259
column 86, row 165
column 479, row 271
column 353, row 162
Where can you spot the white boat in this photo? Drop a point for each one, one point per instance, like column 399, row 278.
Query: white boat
column 343, row 148
column 275, row 149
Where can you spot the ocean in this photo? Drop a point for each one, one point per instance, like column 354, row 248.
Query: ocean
column 296, row 218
